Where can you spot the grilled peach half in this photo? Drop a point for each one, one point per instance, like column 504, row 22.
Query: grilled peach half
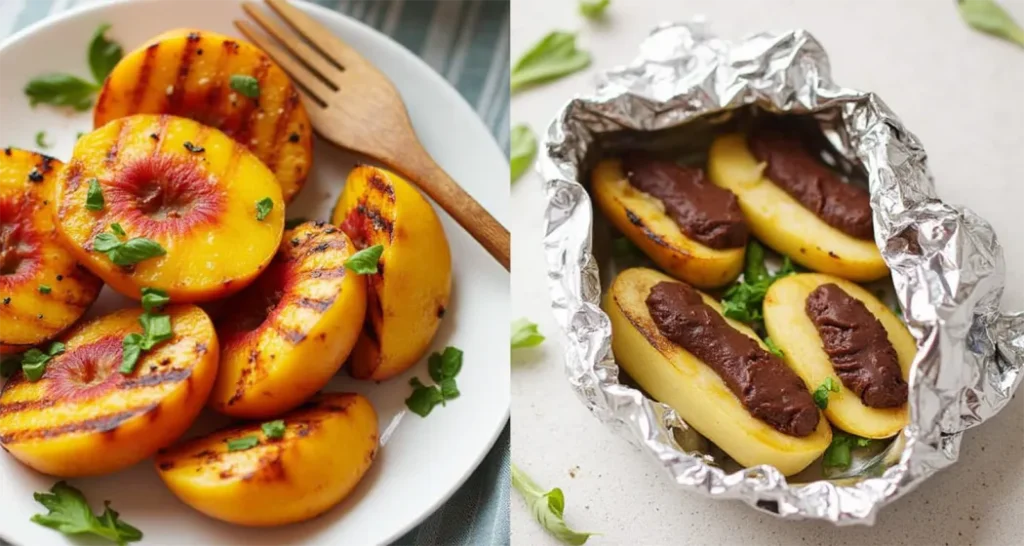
column 188, row 73
column 793, row 331
column 287, row 334
column 42, row 288
column 84, row 417
column 642, row 219
column 676, row 377
column 783, row 223
column 184, row 185
column 328, row 445
column 408, row 295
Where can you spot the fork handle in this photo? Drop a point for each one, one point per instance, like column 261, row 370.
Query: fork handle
column 415, row 164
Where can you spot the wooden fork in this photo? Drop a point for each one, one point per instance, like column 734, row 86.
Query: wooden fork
column 355, row 106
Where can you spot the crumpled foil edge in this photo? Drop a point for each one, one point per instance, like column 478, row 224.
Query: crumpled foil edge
column 946, row 264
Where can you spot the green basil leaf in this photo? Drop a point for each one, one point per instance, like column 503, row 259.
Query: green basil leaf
column 989, row 17
column 41, row 140
column 449, row 390
column 103, row 54
column 820, row 396
column 60, row 90
column 56, row 348
column 243, row 443
column 593, row 9
column 117, row 229
column 451, row 362
column 153, row 298
column 94, row 197
column 33, row 364
column 131, row 349
column 246, row 85
column 525, row 334
column 523, row 150
column 263, row 208
column 553, row 57
column 156, row 328
column 274, row 429
column 423, row 398
column 547, row 507
column 135, row 250
column 837, row 455
column 365, row 261
column 105, row 242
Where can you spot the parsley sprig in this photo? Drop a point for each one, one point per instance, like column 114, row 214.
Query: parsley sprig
column 69, row 513
column 443, row 367
column 58, row 89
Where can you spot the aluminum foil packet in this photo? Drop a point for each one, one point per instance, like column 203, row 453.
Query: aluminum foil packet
column 947, row 267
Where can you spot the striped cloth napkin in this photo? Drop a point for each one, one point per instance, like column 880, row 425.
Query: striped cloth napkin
column 467, row 42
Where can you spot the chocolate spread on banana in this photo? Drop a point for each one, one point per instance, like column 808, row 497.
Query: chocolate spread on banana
column 704, row 212
column 843, row 206
column 764, row 384
column 858, row 346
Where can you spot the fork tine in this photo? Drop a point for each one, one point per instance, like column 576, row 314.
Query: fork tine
column 334, row 49
column 316, row 88
column 311, row 57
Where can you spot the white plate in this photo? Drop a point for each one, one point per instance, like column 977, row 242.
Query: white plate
column 424, row 460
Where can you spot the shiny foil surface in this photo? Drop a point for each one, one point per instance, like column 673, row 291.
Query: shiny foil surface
column 947, row 266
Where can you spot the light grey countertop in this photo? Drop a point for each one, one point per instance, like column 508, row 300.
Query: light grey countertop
column 960, row 92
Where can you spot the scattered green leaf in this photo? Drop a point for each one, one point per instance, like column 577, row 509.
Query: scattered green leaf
column 60, row 90
column 153, row 298
column 775, row 350
column 246, row 85
column 553, row 57
column 69, row 513
column 45, row 289
column 117, row 229
column 41, row 140
column 263, row 208
column 104, row 54
column 593, row 9
column 523, row 148
column 94, row 197
column 743, row 300
column 273, row 429
column 442, row 367
column 365, row 261
column 989, row 17
column 155, row 329
column 131, row 349
column 243, row 443
column 525, row 334
column 34, row 362
column 128, row 252
column 548, row 508
column 838, row 453
column 423, row 398
column 821, row 393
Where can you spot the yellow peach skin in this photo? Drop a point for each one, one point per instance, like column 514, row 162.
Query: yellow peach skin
column 328, row 445
column 42, row 289
column 642, row 219
column 781, row 222
column 188, row 73
column 790, row 328
column 674, row 376
column 84, row 417
column 186, row 186
column 285, row 336
column 408, row 296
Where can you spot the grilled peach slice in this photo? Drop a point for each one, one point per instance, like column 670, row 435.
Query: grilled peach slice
column 186, row 186
column 42, row 289
column 84, row 417
column 285, row 336
column 328, row 445
column 642, row 219
column 783, row 223
column 676, row 377
column 408, row 295
column 189, row 73
column 791, row 329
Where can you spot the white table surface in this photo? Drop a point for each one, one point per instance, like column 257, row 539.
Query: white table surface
column 960, row 92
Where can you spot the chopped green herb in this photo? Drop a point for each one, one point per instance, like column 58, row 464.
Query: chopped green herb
column 553, row 57
column 246, row 85
column 273, row 429
column 523, row 148
column 153, row 298
column 365, row 261
column 243, row 443
column 775, row 350
column 69, row 513
column 263, row 208
column 548, row 507
column 103, row 54
column 34, row 361
column 44, row 289
column 525, row 334
column 593, row 9
column 838, row 455
column 131, row 349
column 443, row 367
column 128, row 252
column 423, row 398
column 292, row 223
column 41, row 140
column 821, row 393
column 989, row 17
column 155, row 329
column 743, row 300
column 94, row 197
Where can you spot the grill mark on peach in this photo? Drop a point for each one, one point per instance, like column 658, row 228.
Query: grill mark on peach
column 145, row 72
column 377, row 220
column 161, row 132
column 328, row 273
column 184, row 67
column 289, row 106
column 378, row 183
column 153, row 379
column 317, row 305
column 74, row 177
column 291, row 336
column 25, row 405
column 122, row 134
column 45, row 164
column 102, row 424
column 243, row 377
